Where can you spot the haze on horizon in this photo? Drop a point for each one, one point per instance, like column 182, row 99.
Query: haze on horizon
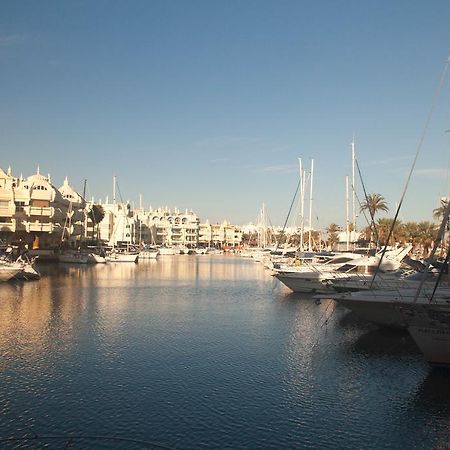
column 208, row 105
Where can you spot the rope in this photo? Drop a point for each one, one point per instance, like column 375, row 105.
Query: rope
column 419, row 148
column 290, row 209
column 371, row 224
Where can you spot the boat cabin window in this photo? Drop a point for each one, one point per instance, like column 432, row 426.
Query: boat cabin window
column 352, row 268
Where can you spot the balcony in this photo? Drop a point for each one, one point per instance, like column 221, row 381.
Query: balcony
column 37, row 211
column 8, row 227
column 37, row 226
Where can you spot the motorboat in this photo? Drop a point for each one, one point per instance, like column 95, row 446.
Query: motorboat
column 318, row 278
column 430, row 328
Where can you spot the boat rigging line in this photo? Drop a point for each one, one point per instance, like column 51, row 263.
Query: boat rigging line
column 418, row 150
column 289, row 213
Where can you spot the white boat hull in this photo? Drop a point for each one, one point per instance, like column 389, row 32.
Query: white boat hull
column 148, row 254
column 9, row 271
column 312, row 282
column 96, row 259
column 168, row 251
column 122, row 257
column 430, row 329
column 398, row 308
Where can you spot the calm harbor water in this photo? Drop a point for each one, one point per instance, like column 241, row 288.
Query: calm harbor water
column 205, row 352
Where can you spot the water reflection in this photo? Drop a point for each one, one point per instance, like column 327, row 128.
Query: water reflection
column 384, row 341
column 201, row 352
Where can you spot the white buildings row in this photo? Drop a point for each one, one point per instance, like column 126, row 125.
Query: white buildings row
column 34, row 211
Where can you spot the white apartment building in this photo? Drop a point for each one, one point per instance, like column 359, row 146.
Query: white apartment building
column 219, row 235
column 162, row 226
column 36, row 212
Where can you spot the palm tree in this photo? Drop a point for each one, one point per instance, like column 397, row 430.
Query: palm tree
column 333, row 239
column 374, row 203
column 426, row 235
column 438, row 213
column 384, row 226
column 96, row 214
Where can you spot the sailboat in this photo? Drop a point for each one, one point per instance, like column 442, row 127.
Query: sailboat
column 120, row 253
column 69, row 255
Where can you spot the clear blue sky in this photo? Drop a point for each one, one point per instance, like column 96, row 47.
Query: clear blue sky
column 208, row 105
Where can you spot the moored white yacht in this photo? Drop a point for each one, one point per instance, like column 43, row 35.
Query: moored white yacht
column 430, row 328
column 164, row 250
column 122, row 255
column 318, row 278
column 149, row 253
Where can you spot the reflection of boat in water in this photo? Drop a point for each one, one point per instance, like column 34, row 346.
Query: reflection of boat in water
column 434, row 393
column 73, row 257
column 386, row 342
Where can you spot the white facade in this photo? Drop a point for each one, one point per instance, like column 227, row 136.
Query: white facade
column 118, row 225
column 167, row 227
column 34, row 210
column 219, row 235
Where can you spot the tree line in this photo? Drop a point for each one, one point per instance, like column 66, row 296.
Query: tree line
column 420, row 234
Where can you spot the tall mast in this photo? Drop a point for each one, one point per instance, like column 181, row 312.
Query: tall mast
column 347, row 208
column 302, row 202
column 310, row 205
column 353, row 186
column 84, row 210
column 114, row 189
